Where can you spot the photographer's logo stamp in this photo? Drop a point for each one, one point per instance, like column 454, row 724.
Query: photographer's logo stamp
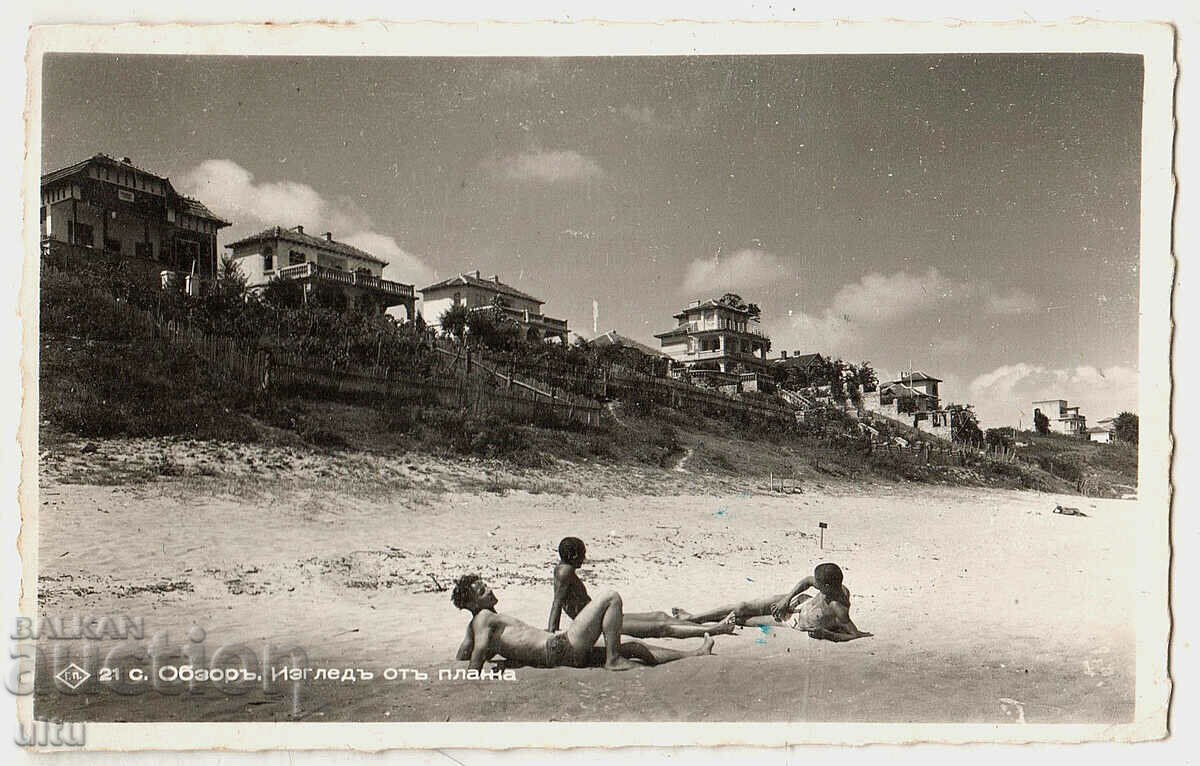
column 73, row 676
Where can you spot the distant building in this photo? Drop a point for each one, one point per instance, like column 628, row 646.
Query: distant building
column 1063, row 419
column 805, row 364
column 613, row 338
column 112, row 206
column 713, row 335
column 917, row 383
column 474, row 292
column 1104, row 431
column 316, row 262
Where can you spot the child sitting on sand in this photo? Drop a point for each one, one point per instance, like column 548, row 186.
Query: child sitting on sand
column 571, row 596
column 825, row 615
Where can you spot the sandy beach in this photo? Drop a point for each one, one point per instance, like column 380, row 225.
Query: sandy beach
column 984, row 605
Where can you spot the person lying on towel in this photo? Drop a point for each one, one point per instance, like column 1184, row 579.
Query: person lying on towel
column 825, row 615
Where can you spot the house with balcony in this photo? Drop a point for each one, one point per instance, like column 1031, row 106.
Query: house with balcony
column 717, row 335
column 105, row 206
column 320, row 262
column 921, row 388
column 913, row 397
column 475, row 292
column 1063, row 419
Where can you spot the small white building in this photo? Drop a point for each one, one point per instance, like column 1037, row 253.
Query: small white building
column 1099, row 434
column 1063, row 419
column 474, row 292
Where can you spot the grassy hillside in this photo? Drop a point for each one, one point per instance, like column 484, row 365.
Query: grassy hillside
column 99, row 380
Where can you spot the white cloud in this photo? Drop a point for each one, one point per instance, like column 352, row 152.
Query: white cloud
column 231, row 190
column 886, row 297
column 745, row 268
column 402, row 266
column 1000, row 395
column 1014, row 302
column 644, row 116
column 546, row 166
column 860, row 314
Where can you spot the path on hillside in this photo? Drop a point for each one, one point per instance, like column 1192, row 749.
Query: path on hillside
column 687, row 453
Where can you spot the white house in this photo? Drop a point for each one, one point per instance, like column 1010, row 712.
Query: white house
column 717, row 335
column 312, row 261
column 1063, row 419
column 474, row 292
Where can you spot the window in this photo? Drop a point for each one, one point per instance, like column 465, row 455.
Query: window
column 112, row 245
column 458, row 299
column 268, row 258
column 295, row 258
column 82, row 234
column 144, row 250
column 187, row 253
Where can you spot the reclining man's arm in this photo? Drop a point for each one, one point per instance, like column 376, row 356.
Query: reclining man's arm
column 482, row 632
column 468, row 644
column 781, row 606
column 560, row 595
column 844, row 630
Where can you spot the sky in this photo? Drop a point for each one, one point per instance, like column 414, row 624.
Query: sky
column 975, row 217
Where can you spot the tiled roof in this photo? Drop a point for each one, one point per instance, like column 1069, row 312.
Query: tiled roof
column 916, row 375
column 190, row 206
column 613, row 338
column 291, row 235
column 672, row 332
column 710, row 304
column 197, row 208
column 485, row 284
column 800, row 360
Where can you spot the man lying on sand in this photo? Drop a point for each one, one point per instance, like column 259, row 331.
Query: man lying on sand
column 825, row 615
column 571, row 596
column 491, row 633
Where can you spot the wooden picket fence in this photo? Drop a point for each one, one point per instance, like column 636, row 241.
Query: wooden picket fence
column 267, row 373
column 614, row 380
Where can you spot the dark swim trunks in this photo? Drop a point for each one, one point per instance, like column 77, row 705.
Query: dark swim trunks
column 558, row 650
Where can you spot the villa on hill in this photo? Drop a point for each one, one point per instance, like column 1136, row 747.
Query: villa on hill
column 719, row 334
column 319, row 262
column 922, row 389
column 105, row 205
column 474, row 292
column 1063, row 419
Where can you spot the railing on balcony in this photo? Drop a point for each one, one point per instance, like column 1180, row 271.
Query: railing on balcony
column 724, row 324
column 342, row 277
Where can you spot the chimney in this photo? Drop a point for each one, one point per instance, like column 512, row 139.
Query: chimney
column 329, row 236
column 496, row 278
column 299, row 229
column 784, row 354
column 796, row 352
column 126, row 161
column 477, row 273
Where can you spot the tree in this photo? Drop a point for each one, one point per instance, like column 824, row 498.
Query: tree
column 999, row 437
column 1040, row 422
column 454, row 321
column 964, row 425
column 283, row 293
column 1125, row 428
column 231, row 282
column 865, row 377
